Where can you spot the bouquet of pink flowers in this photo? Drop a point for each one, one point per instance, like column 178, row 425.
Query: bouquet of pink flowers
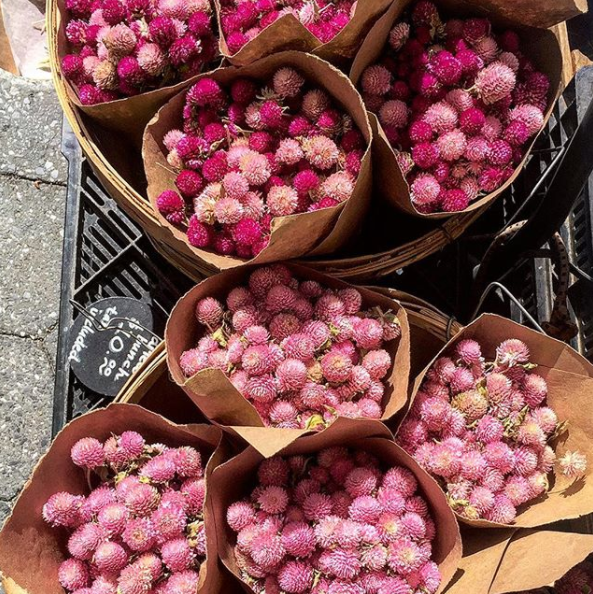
column 487, row 424
column 120, row 49
column 300, row 352
column 459, row 101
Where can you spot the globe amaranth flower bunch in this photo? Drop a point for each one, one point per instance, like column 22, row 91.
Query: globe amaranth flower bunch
column 579, row 580
column 301, row 353
column 458, row 102
column 242, row 20
column 141, row 530
column 482, row 429
column 337, row 522
column 121, row 48
column 253, row 152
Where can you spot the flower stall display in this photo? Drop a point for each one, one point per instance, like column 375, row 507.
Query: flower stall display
column 119, row 503
column 334, row 512
column 458, row 101
column 332, row 30
column 496, row 420
column 265, row 162
column 524, row 562
column 284, row 347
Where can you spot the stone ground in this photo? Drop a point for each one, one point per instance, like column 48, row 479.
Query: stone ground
column 33, row 176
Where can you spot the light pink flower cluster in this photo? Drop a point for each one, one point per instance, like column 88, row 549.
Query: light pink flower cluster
column 482, row 429
column 243, row 20
column 255, row 151
column 301, row 353
column 334, row 523
column 579, row 580
column 458, row 102
column 124, row 47
column 141, row 530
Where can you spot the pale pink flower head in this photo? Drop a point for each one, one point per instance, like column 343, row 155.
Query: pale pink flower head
column 452, row 145
column 511, row 352
column 495, row 82
column 502, row 512
column 209, row 311
column 399, row 35
column 63, row 509
column 298, row 539
column 441, row 116
column 530, row 115
column 88, row 453
column 394, row 113
column 469, row 351
column 287, row 82
column 573, row 465
column 315, row 102
column 295, row 577
column 282, row 200
column 425, row 189
column 338, row 186
column 321, row 151
column 73, row 574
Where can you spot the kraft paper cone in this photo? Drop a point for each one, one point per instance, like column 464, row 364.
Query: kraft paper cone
column 570, row 394
column 31, row 550
column 506, row 561
column 236, row 478
column 539, row 44
column 293, row 236
column 128, row 115
column 221, row 402
column 287, row 33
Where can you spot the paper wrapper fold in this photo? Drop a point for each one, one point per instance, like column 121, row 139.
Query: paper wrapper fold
column 539, row 44
column 128, row 115
column 570, row 395
column 222, row 403
column 236, row 478
column 320, row 232
column 506, row 561
column 31, row 550
column 287, row 33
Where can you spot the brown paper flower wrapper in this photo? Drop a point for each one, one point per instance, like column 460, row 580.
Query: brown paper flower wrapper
column 320, row 232
column 287, row 33
column 539, row 44
column 236, row 478
column 570, row 393
column 128, row 115
column 222, row 403
column 31, row 550
column 506, row 561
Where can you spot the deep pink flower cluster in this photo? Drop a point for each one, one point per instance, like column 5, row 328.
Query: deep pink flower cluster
column 243, row 20
column 458, row 103
column 253, row 152
column 338, row 522
column 482, row 429
column 578, row 580
column 124, row 47
column 141, row 530
column 301, row 353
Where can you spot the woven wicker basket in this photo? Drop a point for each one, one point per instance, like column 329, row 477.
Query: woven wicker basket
column 104, row 148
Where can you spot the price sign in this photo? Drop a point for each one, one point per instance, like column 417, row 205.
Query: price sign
column 110, row 343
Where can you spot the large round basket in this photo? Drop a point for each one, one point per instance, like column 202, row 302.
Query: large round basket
column 116, row 161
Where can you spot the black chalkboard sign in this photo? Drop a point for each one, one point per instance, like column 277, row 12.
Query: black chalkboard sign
column 109, row 341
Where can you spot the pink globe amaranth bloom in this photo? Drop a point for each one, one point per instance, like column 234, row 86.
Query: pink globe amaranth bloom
column 260, row 389
column 518, row 490
column 510, row 60
column 209, row 312
column 289, row 151
column 489, row 429
column 198, row 234
column 63, row 509
column 336, row 367
column 368, row 333
column 283, row 325
column 516, row 133
column 177, row 554
column 240, row 515
column 159, row 469
column 469, row 351
column 295, row 577
column 441, row 117
column 139, row 534
column 287, row 82
column 113, row 518
column 110, row 557
column 399, row 35
column 235, row 185
column 101, row 497
column 472, row 120
column 420, row 131
column 487, row 49
column 502, row 512
column 402, row 480
column 282, row 200
column 454, row 200
column 239, row 297
column 341, row 563
column 171, row 206
column 315, row 102
column 511, row 352
column 447, row 68
column 169, row 521
column 495, row 82
column 546, row 418
column 184, row 582
column 435, row 413
column 482, row 499
column 452, row 145
column 267, row 551
column 458, row 99
column 426, row 154
column 338, row 186
column 405, row 556
column 425, row 189
column 206, row 92
column 273, row 499
column 360, row 481
column 73, row 574
column 283, row 414
column 194, row 490
column 316, row 506
column 192, row 361
column 88, row 453
column 477, row 149
column 573, row 465
column 530, row 116
column 365, row 509
column 83, row 542
column 187, row 461
column 299, row 346
column 376, row 80
column 255, row 168
column 141, row 499
column 321, row 151
column 377, row 363
column 394, row 113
